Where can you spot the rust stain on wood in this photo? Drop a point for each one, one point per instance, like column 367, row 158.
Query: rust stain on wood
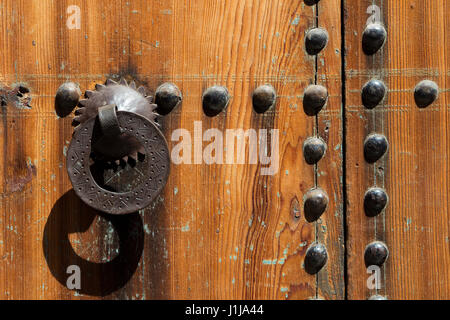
column 19, row 182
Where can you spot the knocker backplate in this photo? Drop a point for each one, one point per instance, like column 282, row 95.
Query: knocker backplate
column 156, row 174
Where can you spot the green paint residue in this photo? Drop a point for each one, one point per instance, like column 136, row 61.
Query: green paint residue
column 186, row 228
column 408, row 223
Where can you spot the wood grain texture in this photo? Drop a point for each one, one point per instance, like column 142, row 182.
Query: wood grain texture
column 330, row 227
column 414, row 172
column 217, row 231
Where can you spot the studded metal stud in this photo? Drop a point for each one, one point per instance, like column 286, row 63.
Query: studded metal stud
column 215, row 100
column 264, row 97
column 167, row 97
column 375, row 200
column 377, row 297
column 313, row 150
column 67, row 98
column 311, row 2
column 314, row 99
column 316, row 258
column 376, row 254
column 373, row 93
column 316, row 40
column 315, row 204
column 374, row 37
column 425, row 93
column 375, row 147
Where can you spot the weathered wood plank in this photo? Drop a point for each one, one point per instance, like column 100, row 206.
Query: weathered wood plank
column 415, row 225
column 330, row 227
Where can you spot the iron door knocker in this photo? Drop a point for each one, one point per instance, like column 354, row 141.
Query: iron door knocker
column 116, row 123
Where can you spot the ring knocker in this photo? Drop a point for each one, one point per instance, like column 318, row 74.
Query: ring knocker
column 121, row 133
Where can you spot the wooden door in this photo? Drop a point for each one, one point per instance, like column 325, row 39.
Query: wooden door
column 227, row 231
column 414, row 172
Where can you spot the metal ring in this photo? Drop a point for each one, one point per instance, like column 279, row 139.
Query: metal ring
column 108, row 120
column 157, row 173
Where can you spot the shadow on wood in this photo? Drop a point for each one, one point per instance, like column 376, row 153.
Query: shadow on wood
column 71, row 215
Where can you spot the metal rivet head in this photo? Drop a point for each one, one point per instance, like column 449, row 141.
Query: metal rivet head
column 377, row 297
column 167, row 97
column 316, row 258
column 215, row 100
column 311, row 2
column 375, row 200
column 376, row 254
column 316, row 40
column 315, row 204
column 425, row 93
column 314, row 99
column 67, row 98
column 313, row 150
column 375, row 147
column 374, row 37
column 264, row 97
column 373, row 93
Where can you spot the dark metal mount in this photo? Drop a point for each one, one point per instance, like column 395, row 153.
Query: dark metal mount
column 116, row 123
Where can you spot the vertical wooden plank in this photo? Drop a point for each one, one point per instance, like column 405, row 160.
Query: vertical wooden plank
column 330, row 227
column 414, row 172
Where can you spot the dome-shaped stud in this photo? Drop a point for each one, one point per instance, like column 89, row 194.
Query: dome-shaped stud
column 264, row 97
column 375, row 200
column 311, row 2
column 316, row 40
column 315, row 203
column 215, row 100
column 374, row 37
column 313, row 150
column 377, row 297
column 376, row 254
column 67, row 97
column 375, row 147
column 314, row 99
column 316, row 257
column 373, row 93
column 167, row 98
column 425, row 93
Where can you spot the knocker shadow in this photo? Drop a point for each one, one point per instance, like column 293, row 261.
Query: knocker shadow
column 71, row 215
